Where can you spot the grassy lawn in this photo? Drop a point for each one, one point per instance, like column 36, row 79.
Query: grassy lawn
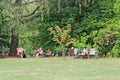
column 57, row 69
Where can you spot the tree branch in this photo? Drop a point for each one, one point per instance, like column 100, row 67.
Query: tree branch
column 32, row 12
column 30, row 18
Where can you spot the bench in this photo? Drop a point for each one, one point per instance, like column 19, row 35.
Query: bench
column 92, row 53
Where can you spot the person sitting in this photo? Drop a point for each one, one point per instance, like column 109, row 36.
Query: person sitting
column 4, row 53
column 83, row 53
column 21, row 53
column 39, row 52
column 49, row 53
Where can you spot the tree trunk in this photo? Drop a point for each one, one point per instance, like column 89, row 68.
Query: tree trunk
column 14, row 45
column 63, row 53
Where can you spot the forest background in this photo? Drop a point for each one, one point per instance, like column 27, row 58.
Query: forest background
column 27, row 24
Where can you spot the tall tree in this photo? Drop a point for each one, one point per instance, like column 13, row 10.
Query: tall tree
column 18, row 13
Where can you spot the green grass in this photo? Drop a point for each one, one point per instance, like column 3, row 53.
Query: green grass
column 57, row 69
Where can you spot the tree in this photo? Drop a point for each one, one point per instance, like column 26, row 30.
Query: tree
column 61, row 36
column 17, row 13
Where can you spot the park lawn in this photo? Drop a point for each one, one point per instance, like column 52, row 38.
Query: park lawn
column 54, row 68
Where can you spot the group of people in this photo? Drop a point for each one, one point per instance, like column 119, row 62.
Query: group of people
column 74, row 52
column 39, row 52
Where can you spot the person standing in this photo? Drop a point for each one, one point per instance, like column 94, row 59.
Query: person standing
column 76, row 52
column 71, row 51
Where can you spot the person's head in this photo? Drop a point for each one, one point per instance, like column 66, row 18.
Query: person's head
column 72, row 47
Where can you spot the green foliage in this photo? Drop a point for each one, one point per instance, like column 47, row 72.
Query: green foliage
column 80, row 44
column 107, row 37
column 61, row 36
column 57, row 50
column 95, row 24
column 117, row 6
